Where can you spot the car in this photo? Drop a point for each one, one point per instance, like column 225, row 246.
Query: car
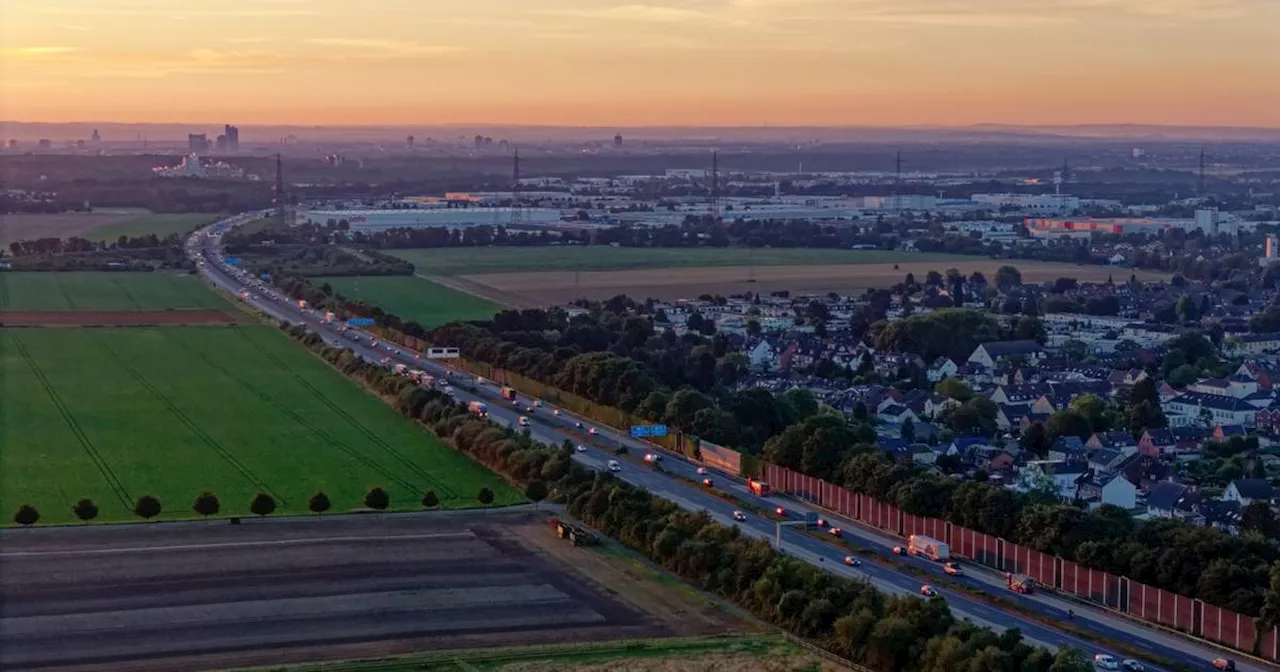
column 953, row 569
column 852, row 561
column 529, row 409
column 780, row 512
column 708, row 482
column 537, row 403
column 578, row 425
column 928, row 591
column 739, row 516
column 1224, row 664
column 592, row 431
column 524, row 422
column 555, row 411
column 479, row 380
column 1131, row 665
column 836, row 532
column 898, row 550
column 582, row 448
column 702, row 470
column 1104, row 661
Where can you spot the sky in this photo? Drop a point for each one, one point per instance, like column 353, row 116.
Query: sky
column 642, row 63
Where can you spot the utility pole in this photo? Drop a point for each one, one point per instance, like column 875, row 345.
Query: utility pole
column 278, row 196
column 517, row 214
column 715, row 187
column 1201, row 193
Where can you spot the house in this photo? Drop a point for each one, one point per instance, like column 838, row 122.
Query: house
column 941, row 367
column 1210, row 410
column 922, row 454
column 1119, row 440
column 1063, row 477
column 988, row 354
column 1172, row 500
column 1224, row 432
column 1222, row 515
column 897, row 414
column 1106, row 461
column 1245, row 491
column 1066, row 448
column 1251, row 344
column 991, row 458
column 936, row 404
column 1010, row 415
column 763, row 357
column 1112, row 489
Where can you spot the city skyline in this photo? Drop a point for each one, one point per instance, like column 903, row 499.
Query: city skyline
column 627, row 64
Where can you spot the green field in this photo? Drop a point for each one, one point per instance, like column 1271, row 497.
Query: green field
column 477, row 260
column 113, row 414
column 141, row 225
column 105, row 291
column 413, row 298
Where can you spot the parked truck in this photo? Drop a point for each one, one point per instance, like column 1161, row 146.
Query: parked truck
column 937, row 551
column 509, row 393
column 758, row 488
column 479, row 408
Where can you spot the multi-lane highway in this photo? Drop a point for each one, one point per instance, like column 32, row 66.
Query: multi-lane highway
column 678, row 480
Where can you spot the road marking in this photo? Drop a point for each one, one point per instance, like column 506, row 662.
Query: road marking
column 235, row 544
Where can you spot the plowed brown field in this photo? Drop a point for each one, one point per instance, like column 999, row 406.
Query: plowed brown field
column 559, row 287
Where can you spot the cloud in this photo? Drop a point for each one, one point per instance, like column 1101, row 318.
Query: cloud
column 645, row 13
column 382, row 48
column 36, row 52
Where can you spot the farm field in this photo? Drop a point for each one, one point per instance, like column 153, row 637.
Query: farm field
column 531, row 289
column 482, row 260
column 105, row 291
column 113, row 414
column 98, row 225
column 412, row 298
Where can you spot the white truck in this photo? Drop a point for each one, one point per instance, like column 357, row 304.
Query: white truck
column 937, row 551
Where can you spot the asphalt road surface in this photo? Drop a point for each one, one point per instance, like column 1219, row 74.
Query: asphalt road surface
column 283, row 590
column 597, row 450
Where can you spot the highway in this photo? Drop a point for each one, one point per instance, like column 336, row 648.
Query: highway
column 886, row 572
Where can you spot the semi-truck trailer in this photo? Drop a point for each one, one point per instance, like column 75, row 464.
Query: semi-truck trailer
column 508, row 393
column 938, row 551
column 758, row 488
column 479, row 408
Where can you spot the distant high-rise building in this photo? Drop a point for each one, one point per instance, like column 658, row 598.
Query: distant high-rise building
column 94, row 137
column 408, row 142
column 617, row 140
column 197, row 143
column 233, row 137
column 220, row 144
column 479, row 141
column 44, row 143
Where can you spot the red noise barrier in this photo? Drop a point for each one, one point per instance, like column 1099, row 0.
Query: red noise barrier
column 1138, row 600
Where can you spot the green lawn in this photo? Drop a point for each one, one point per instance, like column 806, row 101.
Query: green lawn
column 161, row 225
column 105, row 291
column 113, row 414
column 476, row 260
column 413, row 298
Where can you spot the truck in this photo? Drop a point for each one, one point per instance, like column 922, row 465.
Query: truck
column 329, row 317
column 479, row 408
column 937, row 551
column 758, row 488
column 302, row 303
column 509, row 393
column 1020, row 583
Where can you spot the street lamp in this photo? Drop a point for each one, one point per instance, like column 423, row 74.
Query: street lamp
column 779, row 524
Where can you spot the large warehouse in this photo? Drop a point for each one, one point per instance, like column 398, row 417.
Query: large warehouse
column 450, row 218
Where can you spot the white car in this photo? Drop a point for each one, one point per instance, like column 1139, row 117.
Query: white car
column 1104, row 661
column 1131, row 665
column 555, row 411
column 739, row 516
column 582, row 448
column 702, row 470
column 592, row 431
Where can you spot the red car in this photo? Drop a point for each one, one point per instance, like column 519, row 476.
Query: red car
column 780, row 512
column 835, row 532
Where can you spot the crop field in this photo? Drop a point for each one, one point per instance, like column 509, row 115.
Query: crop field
column 412, row 298
column 543, row 288
column 98, row 225
column 113, row 414
column 105, row 291
column 480, row 260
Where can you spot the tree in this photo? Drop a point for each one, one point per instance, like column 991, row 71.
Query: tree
column 1257, row 517
column 147, row 507
column 485, row 496
column 1008, row 276
column 377, row 499
column 206, row 504
column 908, row 430
column 85, row 510
column 1030, row 328
column 1036, row 440
column 954, row 388
column 429, row 500
column 263, row 504
column 1068, row 422
column 536, row 491
column 319, row 503
column 26, row 515
column 1187, row 309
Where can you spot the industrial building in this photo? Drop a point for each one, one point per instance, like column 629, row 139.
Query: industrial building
column 1046, row 203
column 1083, row 227
column 450, row 218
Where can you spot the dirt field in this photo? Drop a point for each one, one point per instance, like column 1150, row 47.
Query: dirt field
column 558, row 287
column 144, row 318
column 27, row 227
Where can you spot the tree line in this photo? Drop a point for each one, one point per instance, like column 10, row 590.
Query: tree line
column 845, row 616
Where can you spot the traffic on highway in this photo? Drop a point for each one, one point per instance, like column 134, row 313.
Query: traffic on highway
column 843, row 547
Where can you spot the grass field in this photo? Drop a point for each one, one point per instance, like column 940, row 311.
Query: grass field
column 479, row 260
column 113, row 414
column 413, row 298
column 161, row 225
column 93, row 291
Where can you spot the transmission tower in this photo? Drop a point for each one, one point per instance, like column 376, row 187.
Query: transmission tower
column 897, row 183
column 517, row 212
column 715, row 187
column 1200, row 193
column 278, row 195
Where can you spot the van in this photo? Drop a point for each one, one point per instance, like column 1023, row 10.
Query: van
column 614, row 466
column 524, row 422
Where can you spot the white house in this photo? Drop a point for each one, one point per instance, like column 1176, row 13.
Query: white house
column 1063, row 478
column 1252, row 344
column 988, row 354
column 897, row 414
column 941, row 367
column 1217, row 409
column 1248, row 490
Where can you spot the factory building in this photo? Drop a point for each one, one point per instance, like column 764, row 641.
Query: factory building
column 450, row 218
column 1083, row 227
column 1046, row 203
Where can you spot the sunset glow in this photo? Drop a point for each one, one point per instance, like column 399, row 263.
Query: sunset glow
column 686, row 62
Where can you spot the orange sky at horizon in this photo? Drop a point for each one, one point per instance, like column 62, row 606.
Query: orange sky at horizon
column 639, row 63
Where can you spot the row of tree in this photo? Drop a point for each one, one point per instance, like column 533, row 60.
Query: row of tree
column 847, row 617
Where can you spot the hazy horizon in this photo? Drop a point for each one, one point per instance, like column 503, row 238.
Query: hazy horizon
column 638, row 63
